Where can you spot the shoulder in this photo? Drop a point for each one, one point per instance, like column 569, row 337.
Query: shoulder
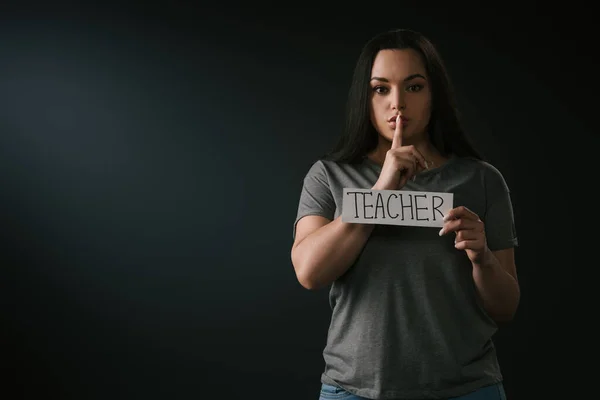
column 319, row 173
column 317, row 168
column 323, row 167
column 490, row 175
column 474, row 163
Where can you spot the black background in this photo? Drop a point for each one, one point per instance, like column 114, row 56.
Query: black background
column 151, row 159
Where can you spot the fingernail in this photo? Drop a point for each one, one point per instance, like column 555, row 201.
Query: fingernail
column 441, row 232
column 446, row 218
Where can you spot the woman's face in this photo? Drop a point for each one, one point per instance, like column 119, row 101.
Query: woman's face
column 399, row 85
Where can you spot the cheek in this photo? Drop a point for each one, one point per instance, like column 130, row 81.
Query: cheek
column 375, row 110
column 424, row 107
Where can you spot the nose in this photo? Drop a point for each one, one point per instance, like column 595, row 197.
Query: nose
column 398, row 102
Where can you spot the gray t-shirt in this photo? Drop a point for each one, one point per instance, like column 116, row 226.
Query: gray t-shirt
column 406, row 321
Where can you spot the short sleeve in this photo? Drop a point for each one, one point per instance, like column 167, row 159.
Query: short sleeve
column 499, row 217
column 316, row 197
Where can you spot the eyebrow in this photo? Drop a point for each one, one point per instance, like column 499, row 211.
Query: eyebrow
column 408, row 78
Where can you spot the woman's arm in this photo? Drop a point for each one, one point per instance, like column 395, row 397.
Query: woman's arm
column 323, row 250
column 497, row 284
column 494, row 272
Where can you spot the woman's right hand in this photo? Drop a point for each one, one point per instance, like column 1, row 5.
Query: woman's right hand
column 401, row 163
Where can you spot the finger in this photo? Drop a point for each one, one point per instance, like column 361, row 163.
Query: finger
column 397, row 139
column 417, row 167
column 468, row 244
column 402, row 182
column 461, row 224
column 415, row 156
column 419, row 157
column 461, row 212
column 467, row 235
column 407, row 167
column 409, row 153
column 405, row 175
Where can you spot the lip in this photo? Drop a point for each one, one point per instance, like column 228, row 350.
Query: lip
column 402, row 118
column 392, row 122
column 392, row 125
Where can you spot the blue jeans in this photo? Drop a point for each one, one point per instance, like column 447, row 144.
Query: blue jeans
column 492, row 392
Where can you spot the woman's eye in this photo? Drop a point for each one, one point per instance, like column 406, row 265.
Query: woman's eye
column 415, row 88
column 380, row 89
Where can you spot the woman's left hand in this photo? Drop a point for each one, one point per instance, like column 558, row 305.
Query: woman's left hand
column 470, row 233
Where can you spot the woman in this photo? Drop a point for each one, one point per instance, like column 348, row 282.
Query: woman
column 413, row 308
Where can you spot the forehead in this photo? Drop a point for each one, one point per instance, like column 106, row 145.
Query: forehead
column 397, row 64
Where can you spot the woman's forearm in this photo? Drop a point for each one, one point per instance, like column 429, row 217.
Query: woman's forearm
column 327, row 253
column 498, row 290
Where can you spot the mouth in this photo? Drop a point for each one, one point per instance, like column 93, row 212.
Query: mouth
column 392, row 121
column 393, row 118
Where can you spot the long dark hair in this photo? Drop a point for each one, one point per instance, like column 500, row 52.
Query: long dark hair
column 359, row 137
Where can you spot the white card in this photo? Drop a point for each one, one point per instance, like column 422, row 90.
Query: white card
column 396, row 207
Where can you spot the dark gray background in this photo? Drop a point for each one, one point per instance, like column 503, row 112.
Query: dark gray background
column 151, row 159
